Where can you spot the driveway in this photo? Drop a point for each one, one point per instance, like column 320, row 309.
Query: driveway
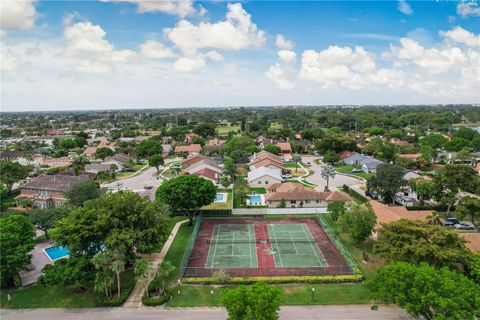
column 137, row 183
column 335, row 183
column 336, row 312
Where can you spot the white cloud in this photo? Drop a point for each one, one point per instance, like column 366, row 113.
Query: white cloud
column 277, row 74
column 287, row 55
column 187, row 64
column 215, row 56
column 460, row 35
column 152, row 49
column 404, row 7
column 17, row 15
column 283, row 43
column 468, row 8
column 8, row 61
column 86, row 43
column 181, row 8
column 235, row 33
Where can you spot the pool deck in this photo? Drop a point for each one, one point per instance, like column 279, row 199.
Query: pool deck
column 39, row 260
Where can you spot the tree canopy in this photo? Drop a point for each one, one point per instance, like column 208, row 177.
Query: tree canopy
column 422, row 290
column 359, row 221
column 121, row 221
column 239, row 147
column 273, row 148
column 156, row 161
column 469, row 207
column 187, row 194
column 148, row 148
column 257, row 302
column 416, row 241
column 102, row 153
column 83, row 191
column 45, row 219
column 388, row 180
column 16, row 237
column 11, row 172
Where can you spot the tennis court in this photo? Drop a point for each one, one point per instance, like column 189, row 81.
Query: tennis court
column 294, row 246
column 232, row 246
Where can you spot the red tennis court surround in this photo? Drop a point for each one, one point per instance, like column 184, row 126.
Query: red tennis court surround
column 265, row 254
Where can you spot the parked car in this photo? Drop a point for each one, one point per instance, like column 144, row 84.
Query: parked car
column 287, row 176
column 129, row 170
column 175, row 166
column 372, row 194
column 356, row 170
column 465, row 225
column 450, row 222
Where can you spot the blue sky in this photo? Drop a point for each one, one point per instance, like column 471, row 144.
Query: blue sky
column 133, row 53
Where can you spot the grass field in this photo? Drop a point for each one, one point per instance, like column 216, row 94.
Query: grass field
column 223, row 130
column 348, row 169
column 175, row 254
column 171, row 224
column 58, row 297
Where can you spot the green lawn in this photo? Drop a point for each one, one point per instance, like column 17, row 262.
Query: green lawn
column 223, row 130
column 58, row 297
column 171, row 224
column 258, row 190
column 292, row 294
column 349, row 168
column 175, row 254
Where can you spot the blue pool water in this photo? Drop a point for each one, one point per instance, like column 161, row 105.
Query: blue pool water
column 218, row 197
column 255, row 200
column 57, row 252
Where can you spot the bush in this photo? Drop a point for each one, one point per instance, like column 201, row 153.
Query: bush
column 273, row 280
column 354, row 194
column 114, row 301
column 156, row 301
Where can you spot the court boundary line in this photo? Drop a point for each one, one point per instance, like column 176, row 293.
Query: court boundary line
column 314, row 251
column 276, row 244
column 210, row 247
column 293, row 242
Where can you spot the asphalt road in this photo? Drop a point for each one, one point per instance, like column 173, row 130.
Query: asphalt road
column 334, row 312
column 334, row 184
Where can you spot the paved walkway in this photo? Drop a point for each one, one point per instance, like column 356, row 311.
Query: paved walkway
column 39, row 260
column 135, row 298
column 330, row 312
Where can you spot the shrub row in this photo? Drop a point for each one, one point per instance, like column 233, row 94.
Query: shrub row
column 435, row 208
column 292, row 279
column 355, row 194
column 156, row 301
column 102, row 301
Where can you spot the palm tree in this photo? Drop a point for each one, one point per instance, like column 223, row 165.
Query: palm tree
column 142, row 270
column 103, row 282
column 164, row 272
column 118, row 266
column 328, row 172
column 296, row 158
column 434, row 219
column 102, row 262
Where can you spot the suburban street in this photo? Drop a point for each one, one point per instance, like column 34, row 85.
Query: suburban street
column 335, row 184
column 137, row 183
column 337, row 312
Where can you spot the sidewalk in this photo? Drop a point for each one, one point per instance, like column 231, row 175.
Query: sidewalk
column 135, row 298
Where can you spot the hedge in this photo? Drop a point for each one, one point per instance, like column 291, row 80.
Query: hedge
column 355, row 194
column 273, row 280
column 156, row 301
column 435, row 208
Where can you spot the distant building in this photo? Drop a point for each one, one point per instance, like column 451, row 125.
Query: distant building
column 48, row 191
column 192, row 149
column 286, row 149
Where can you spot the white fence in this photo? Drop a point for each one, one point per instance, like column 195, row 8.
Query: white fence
column 266, row 211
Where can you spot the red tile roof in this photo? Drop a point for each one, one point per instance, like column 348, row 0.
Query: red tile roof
column 285, row 146
column 346, row 154
column 191, row 148
column 208, row 173
column 386, row 214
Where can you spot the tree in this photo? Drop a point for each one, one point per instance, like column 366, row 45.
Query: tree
column 465, row 133
column 11, row 172
column 104, row 152
column 331, row 157
column 156, row 161
column 388, row 180
column 187, row 194
column 104, row 279
column 456, row 144
column 164, row 276
column 74, row 271
column 83, row 191
column 359, row 221
column 241, row 188
column 424, row 291
column 16, row 237
column 229, row 168
column 121, row 221
column 452, row 179
column 205, row 129
column 416, row 241
column 424, row 188
column 257, row 302
column 297, row 159
column 148, row 148
column 434, row 140
column 272, row 148
column 336, row 209
column 118, row 266
column 142, row 270
column 45, row 219
column 67, row 144
column 469, row 207
column 335, row 143
column 239, row 147
column 282, row 204
column 328, row 172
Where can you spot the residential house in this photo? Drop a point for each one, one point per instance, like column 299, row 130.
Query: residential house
column 209, row 174
column 192, row 160
column 191, row 150
column 267, row 162
column 214, row 145
column 166, row 149
column 120, row 160
column 352, row 158
column 189, row 137
column 48, row 191
column 369, row 164
column 90, row 152
column 386, row 214
column 56, row 162
column 263, row 176
column 410, row 156
column 406, row 196
column 263, row 155
column 21, row 157
column 96, row 168
column 295, row 195
column 286, row 150
column 206, row 162
column 262, row 141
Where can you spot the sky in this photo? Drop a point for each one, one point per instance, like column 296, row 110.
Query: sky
column 109, row 54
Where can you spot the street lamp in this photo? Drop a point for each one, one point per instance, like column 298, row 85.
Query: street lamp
column 313, row 292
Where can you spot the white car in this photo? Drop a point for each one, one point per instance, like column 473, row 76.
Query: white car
column 287, row 176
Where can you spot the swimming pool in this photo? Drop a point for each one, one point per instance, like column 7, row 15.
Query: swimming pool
column 56, row 252
column 255, row 200
column 220, row 197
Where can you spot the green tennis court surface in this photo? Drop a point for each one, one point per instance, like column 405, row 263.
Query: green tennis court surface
column 232, row 246
column 294, row 246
